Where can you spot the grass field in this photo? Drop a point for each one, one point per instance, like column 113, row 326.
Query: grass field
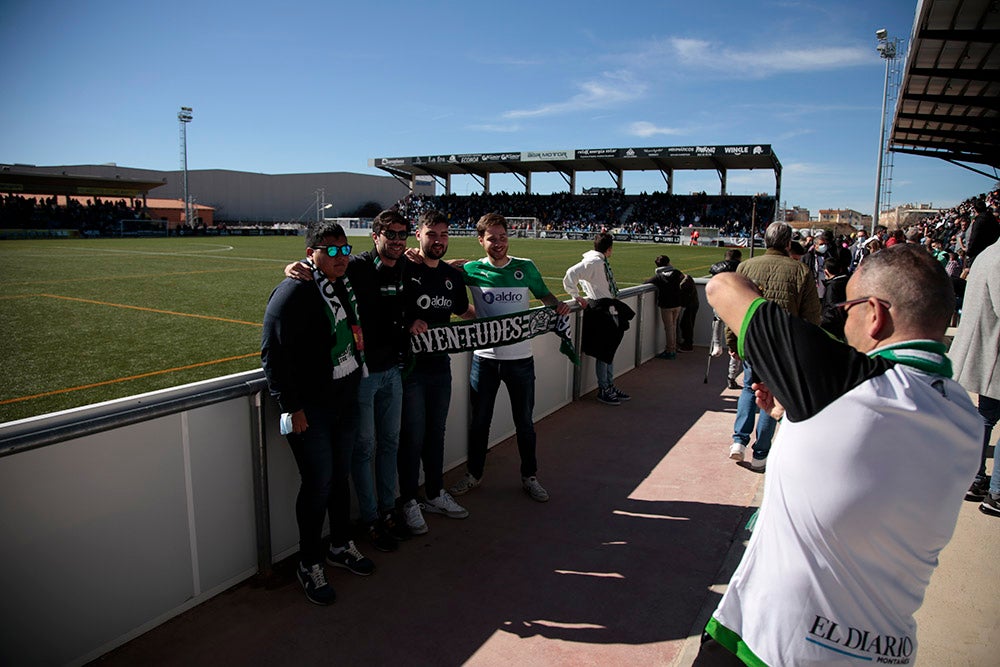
column 87, row 321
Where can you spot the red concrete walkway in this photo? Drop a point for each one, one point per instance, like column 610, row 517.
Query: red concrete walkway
column 621, row 567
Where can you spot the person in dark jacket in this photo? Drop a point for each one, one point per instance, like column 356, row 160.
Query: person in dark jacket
column 832, row 317
column 312, row 356
column 689, row 312
column 732, row 260
column 984, row 232
column 667, row 280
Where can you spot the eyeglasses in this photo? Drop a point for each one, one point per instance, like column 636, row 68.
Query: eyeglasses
column 334, row 250
column 395, row 236
column 846, row 305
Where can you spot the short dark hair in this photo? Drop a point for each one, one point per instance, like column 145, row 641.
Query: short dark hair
column 734, row 255
column 662, row 260
column 318, row 231
column 795, row 248
column 914, row 282
column 490, row 220
column 603, row 241
column 431, row 218
column 386, row 218
column 834, row 266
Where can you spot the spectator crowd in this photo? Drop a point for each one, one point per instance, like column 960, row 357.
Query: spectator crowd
column 645, row 213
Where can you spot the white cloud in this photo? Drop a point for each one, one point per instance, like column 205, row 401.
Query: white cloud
column 642, row 128
column 702, row 56
column 494, row 127
column 612, row 89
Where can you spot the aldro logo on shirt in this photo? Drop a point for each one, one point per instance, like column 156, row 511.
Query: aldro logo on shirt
column 426, row 302
column 858, row 643
column 495, row 297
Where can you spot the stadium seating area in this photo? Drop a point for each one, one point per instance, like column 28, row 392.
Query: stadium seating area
column 41, row 213
column 655, row 213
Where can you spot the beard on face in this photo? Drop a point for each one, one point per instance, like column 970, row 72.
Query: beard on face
column 435, row 250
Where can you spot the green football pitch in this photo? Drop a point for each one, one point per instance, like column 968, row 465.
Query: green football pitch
column 92, row 320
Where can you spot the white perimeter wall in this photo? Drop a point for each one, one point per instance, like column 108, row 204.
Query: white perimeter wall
column 109, row 535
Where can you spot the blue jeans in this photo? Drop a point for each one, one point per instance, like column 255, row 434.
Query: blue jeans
column 323, row 453
column 989, row 409
column 485, row 377
column 380, row 401
column 605, row 374
column 746, row 410
column 426, row 397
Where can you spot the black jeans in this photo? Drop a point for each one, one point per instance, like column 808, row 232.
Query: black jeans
column 485, row 377
column 426, row 397
column 323, row 455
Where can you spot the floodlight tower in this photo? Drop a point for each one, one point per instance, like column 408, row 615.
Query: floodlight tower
column 888, row 49
column 184, row 116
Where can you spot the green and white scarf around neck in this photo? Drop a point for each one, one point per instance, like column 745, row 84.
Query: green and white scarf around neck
column 348, row 357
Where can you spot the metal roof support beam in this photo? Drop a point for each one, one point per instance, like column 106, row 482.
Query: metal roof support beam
column 668, row 176
column 986, row 35
column 956, row 100
column 958, row 121
column 722, row 180
column 777, row 191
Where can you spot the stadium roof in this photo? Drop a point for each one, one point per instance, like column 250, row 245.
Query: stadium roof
column 949, row 100
column 24, row 182
column 569, row 162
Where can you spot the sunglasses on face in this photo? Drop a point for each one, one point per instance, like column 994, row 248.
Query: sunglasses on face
column 395, row 236
column 334, row 250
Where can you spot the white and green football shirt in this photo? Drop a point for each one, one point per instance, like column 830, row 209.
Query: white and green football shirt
column 501, row 291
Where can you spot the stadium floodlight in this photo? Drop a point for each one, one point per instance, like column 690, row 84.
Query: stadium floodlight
column 185, row 115
column 321, row 204
column 887, row 50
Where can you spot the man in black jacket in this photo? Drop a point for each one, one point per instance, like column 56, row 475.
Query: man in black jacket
column 310, row 350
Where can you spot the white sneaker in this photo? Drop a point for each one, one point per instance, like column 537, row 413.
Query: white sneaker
column 534, row 489
column 445, row 504
column 464, row 485
column 414, row 519
column 758, row 464
column 737, row 451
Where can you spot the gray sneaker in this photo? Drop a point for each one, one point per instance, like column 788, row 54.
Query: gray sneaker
column 466, row 484
column 534, row 489
column 414, row 519
column 445, row 504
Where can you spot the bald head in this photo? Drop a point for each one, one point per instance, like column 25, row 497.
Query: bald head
column 916, row 285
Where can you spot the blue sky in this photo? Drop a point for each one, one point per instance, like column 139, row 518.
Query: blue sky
column 324, row 86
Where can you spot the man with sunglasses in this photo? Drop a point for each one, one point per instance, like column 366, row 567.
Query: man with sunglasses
column 379, row 277
column 865, row 478
column 310, row 351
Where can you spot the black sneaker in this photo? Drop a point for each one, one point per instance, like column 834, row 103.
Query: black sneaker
column 620, row 395
column 607, row 398
column 979, row 489
column 351, row 559
column 380, row 539
column 990, row 505
column 733, row 384
column 395, row 526
column 313, row 581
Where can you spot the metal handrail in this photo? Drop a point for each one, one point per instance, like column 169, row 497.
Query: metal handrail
column 28, row 434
